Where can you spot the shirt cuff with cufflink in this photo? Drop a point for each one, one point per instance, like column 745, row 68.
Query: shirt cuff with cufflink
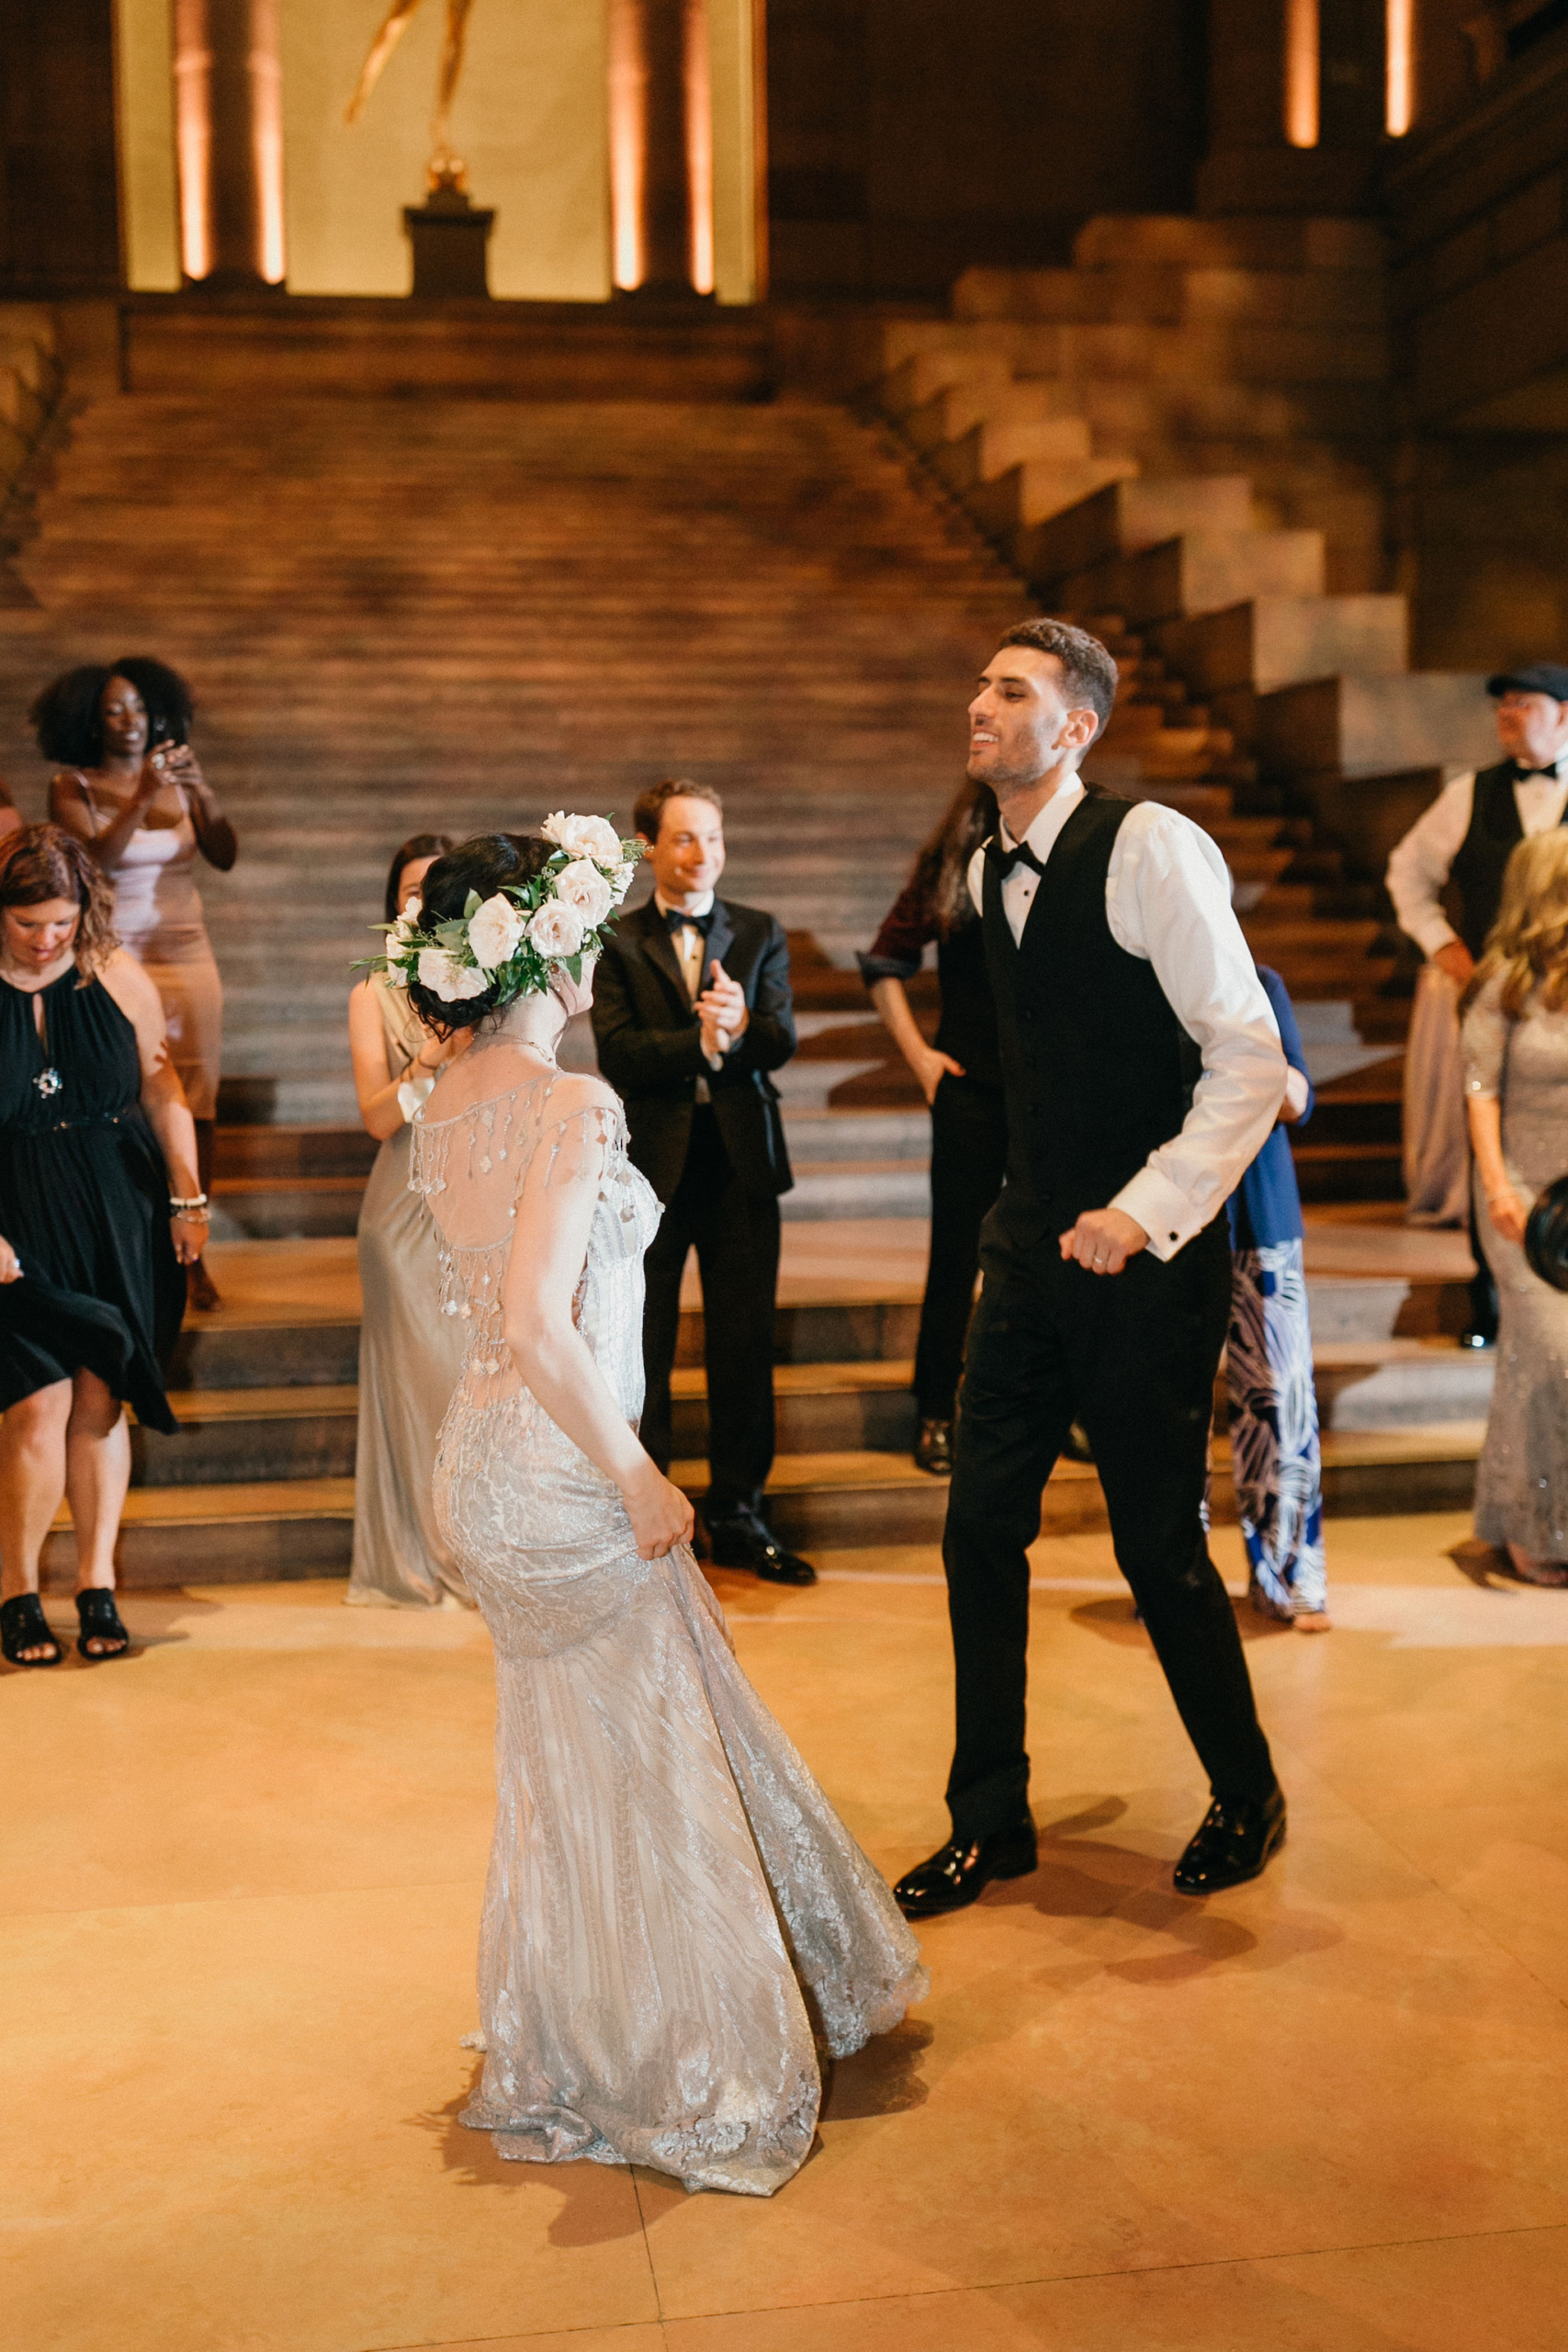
column 1167, row 1215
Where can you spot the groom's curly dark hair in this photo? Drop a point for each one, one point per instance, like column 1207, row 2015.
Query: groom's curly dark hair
column 1089, row 673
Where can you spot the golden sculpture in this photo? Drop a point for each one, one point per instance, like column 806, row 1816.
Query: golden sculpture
column 447, row 171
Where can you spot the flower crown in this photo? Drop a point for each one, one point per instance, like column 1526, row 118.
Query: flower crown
column 515, row 940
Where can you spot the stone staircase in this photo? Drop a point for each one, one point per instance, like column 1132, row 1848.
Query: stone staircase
column 400, row 614
column 461, row 613
column 1183, row 440
column 259, row 1481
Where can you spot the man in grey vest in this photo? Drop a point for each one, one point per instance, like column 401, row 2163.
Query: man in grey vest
column 1143, row 1070
column 1467, row 837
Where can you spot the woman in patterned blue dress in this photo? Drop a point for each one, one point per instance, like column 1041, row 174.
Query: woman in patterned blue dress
column 1275, row 1462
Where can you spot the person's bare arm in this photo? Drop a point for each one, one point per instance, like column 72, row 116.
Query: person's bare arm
column 69, row 808
column 554, row 1216
column 163, row 1096
column 930, row 1067
column 380, row 1111
column 214, row 833
column 1504, row 1206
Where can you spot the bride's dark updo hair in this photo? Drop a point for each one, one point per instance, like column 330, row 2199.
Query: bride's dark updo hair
column 481, row 865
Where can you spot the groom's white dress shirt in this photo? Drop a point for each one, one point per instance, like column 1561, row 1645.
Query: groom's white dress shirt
column 1168, row 902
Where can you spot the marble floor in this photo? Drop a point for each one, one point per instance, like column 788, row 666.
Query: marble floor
column 1327, row 2112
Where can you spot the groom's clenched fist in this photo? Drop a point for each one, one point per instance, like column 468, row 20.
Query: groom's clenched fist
column 1103, row 1241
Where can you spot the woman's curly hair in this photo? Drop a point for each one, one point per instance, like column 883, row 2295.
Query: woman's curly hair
column 68, row 718
column 1529, row 942
column 44, row 862
column 481, row 865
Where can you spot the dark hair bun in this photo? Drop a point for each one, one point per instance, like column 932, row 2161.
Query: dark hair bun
column 480, row 866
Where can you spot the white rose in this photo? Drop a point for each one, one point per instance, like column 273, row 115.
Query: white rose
column 443, row 978
column 396, row 977
column 557, row 929
column 593, row 837
column 494, row 930
column 583, row 887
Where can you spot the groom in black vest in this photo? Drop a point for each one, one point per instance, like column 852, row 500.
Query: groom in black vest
column 1143, row 1070
column 692, row 1011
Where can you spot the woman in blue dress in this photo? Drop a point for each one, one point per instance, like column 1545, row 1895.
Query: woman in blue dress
column 1275, row 1465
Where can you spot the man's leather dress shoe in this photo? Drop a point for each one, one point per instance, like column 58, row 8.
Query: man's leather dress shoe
column 741, row 1539
column 933, row 1448
column 1231, row 1845
column 961, row 1871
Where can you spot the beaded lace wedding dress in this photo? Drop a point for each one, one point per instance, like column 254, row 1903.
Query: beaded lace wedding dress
column 675, row 1921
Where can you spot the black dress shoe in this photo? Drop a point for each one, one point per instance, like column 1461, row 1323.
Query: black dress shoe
column 742, row 1540
column 1231, row 1846
column 961, row 1871
column 933, row 1448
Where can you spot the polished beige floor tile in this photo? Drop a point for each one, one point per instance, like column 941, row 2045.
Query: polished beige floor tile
column 649, row 2337
column 1501, row 2293
column 1506, row 1866
column 242, row 1879
column 231, row 2126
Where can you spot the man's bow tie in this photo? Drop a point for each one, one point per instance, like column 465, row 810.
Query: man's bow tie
column 1005, row 859
column 1522, row 775
column 675, row 921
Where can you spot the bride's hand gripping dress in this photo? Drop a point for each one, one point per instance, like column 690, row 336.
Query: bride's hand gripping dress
column 675, row 1919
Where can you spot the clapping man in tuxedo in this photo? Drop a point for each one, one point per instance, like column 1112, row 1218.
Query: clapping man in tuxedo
column 692, row 1010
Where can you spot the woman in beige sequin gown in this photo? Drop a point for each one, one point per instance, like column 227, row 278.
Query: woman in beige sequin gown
column 675, row 1919
column 408, row 1356
column 132, row 791
column 1516, row 1053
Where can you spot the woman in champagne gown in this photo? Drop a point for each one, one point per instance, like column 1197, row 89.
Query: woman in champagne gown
column 409, row 1360
column 675, row 1921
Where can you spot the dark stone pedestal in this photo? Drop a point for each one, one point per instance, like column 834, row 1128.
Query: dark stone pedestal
column 448, row 237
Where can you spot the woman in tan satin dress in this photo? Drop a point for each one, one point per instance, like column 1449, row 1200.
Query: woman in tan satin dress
column 131, row 788
column 410, row 1354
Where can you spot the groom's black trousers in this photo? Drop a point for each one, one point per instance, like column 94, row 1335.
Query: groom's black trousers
column 1134, row 1357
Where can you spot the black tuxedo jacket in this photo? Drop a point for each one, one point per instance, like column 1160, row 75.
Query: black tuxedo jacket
column 650, row 1048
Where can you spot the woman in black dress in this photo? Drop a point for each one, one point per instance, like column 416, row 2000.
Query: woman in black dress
column 100, row 1215
column 961, row 1078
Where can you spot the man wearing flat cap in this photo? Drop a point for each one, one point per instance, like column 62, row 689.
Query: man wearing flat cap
column 1466, row 838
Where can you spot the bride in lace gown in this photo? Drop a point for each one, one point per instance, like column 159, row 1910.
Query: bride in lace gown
column 676, row 1923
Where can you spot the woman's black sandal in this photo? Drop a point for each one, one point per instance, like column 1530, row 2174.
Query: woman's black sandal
column 24, row 1626
column 100, row 1622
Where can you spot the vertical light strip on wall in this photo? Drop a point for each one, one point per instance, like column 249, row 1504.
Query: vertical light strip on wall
column 698, row 81
column 1399, row 111
column 627, row 78
column 193, row 134
column 266, row 135
column 1301, row 72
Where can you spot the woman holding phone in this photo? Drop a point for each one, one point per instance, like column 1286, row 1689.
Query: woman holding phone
column 131, row 788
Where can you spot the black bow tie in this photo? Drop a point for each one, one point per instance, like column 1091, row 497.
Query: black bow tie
column 1005, row 859
column 1523, row 774
column 675, row 921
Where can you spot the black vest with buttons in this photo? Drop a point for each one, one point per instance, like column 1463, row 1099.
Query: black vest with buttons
column 1477, row 871
column 1098, row 1071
